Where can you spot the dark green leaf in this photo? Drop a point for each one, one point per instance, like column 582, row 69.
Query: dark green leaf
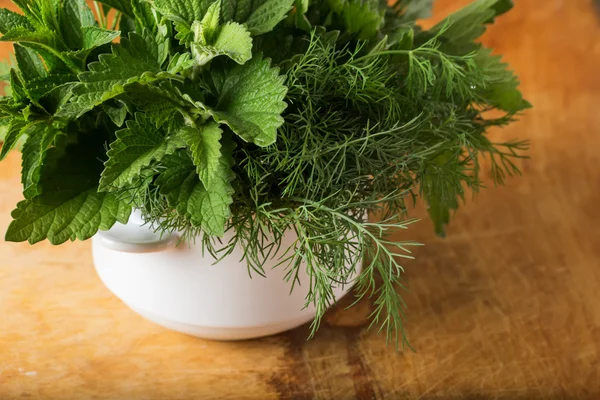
column 73, row 16
column 13, row 134
column 30, row 64
column 10, row 20
column 125, row 6
column 136, row 147
column 68, row 204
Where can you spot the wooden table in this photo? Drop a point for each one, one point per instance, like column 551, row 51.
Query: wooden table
column 506, row 307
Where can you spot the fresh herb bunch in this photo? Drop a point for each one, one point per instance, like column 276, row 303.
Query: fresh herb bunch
column 256, row 117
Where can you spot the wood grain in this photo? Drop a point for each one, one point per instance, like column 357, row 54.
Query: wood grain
column 506, row 307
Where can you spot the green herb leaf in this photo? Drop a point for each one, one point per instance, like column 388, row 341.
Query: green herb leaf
column 125, row 6
column 232, row 40
column 29, row 62
column 250, row 100
column 267, row 15
column 363, row 18
column 133, row 60
column 40, row 138
column 10, row 20
column 161, row 105
column 13, row 134
column 468, row 24
column 40, row 87
column 206, row 207
column 186, row 11
column 501, row 89
column 68, row 204
column 93, row 37
column 59, row 217
column 73, row 16
column 117, row 112
column 136, row 147
column 204, row 143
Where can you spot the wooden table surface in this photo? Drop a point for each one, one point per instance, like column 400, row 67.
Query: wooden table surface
column 506, row 307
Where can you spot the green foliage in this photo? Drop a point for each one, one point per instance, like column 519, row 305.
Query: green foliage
column 257, row 117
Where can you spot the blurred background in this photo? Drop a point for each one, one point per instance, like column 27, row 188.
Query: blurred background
column 507, row 306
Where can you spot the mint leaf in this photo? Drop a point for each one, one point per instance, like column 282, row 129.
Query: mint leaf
column 204, row 143
column 161, row 105
column 10, row 20
column 73, row 16
column 250, row 100
column 236, row 10
column 59, row 217
column 186, row 11
column 206, row 207
column 232, row 40
column 39, row 140
column 29, row 62
column 117, row 112
column 133, row 60
column 212, row 40
column 13, row 134
column 267, row 15
column 136, row 147
column 125, row 6
column 67, row 204
column 207, row 30
column 93, row 36
column 209, row 206
column 40, row 87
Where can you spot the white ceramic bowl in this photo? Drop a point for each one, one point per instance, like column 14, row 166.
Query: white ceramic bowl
column 182, row 289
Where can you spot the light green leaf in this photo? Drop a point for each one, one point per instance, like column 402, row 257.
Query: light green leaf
column 30, row 64
column 186, row 11
column 93, row 36
column 136, row 147
column 185, row 35
column 204, row 143
column 267, row 15
column 207, row 29
column 10, row 20
column 133, row 60
column 250, row 100
column 180, row 62
column 233, row 41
